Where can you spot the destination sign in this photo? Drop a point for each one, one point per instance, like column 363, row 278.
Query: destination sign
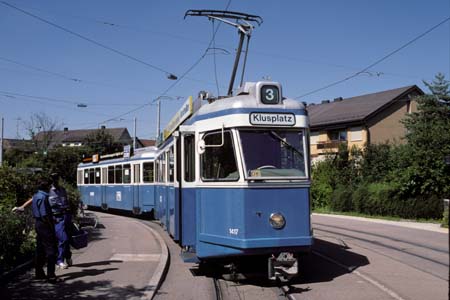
column 273, row 119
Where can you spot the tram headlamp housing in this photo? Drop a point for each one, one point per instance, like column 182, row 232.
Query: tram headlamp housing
column 277, row 220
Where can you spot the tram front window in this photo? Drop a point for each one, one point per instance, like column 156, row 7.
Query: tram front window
column 273, row 153
column 218, row 163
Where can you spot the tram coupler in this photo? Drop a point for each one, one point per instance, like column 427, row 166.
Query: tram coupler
column 284, row 266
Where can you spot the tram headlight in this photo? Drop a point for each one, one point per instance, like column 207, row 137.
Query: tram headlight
column 277, row 220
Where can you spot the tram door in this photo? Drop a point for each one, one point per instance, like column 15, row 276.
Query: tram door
column 104, row 181
column 135, row 185
column 187, row 204
column 170, row 193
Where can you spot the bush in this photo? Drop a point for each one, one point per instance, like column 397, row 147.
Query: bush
column 381, row 198
column 73, row 196
column 321, row 193
column 342, row 199
column 17, row 239
column 359, row 198
column 16, row 231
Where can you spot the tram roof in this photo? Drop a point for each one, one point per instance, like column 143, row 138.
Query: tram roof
column 245, row 100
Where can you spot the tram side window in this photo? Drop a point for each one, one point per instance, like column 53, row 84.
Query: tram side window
column 79, row 177
column 104, row 178
column 127, row 173
column 86, row 176
column 219, row 163
column 161, row 168
column 148, row 172
column 111, row 174
column 171, row 165
column 118, row 174
column 92, row 176
column 97, row 175
column 156, row 172
column 137, row 173
column 189, row 158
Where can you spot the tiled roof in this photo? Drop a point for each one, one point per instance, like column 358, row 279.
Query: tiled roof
column 356, row 108
column 24, row 145
column 147, row 143
column 79, row 135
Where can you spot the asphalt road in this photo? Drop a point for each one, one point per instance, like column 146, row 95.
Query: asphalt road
column 354, row 259
column 351, row 259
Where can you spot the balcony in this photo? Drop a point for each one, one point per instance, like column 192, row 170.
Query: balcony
column 330, row 144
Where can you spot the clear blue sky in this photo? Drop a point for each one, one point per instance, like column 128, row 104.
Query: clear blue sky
column 304, row 45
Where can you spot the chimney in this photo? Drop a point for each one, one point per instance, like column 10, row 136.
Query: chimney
column 103, row 127
column 66, row 129
column 338, row 99
column 325, row 101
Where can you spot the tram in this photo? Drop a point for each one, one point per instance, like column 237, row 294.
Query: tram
column 229, row 178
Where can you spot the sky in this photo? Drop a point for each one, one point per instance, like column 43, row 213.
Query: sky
column 85, row 63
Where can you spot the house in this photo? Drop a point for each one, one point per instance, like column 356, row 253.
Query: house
column 75, row 138
column 357, row 121
column 18, row 144
column 146, row 142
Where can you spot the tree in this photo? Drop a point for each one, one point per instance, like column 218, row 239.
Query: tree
column 100, row 141
column 41, row 129
column 428, row 141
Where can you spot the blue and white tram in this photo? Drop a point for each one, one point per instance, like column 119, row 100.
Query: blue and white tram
column 233, row 177
column 112, row 181
column 230, row 178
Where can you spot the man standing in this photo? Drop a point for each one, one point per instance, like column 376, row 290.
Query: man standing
column 45, row 233
column 63, row 221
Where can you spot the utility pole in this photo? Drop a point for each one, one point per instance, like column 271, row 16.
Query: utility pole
column 17, row 127
column 1, row 143
column 158, row 120
column 134, row 134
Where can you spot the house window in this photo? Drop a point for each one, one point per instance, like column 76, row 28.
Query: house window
column 356, row 134
column 337, row 135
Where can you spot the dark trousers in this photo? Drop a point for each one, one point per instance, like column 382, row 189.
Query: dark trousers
column 62, row 229
column 45, row 246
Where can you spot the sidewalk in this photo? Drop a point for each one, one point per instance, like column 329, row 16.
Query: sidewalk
column 125, row 259
column 417, row 225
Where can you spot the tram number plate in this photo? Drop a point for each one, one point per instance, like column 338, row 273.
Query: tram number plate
column 233, row 231
column 273, row 119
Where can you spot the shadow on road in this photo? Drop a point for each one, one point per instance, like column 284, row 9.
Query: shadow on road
column 74, row 290
column 313, row 268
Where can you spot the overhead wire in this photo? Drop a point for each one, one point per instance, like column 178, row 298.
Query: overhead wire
column 376, row 62
column 180, row 77
column 123, row 54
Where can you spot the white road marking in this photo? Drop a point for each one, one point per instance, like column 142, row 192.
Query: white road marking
column 126, row 257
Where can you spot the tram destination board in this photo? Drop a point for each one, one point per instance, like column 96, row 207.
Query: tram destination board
column 272, row 119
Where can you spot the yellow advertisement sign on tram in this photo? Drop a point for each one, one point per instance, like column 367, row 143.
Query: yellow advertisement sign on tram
column 185, row 112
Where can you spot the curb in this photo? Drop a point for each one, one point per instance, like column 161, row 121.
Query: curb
column 406, row 224
column 158, row 275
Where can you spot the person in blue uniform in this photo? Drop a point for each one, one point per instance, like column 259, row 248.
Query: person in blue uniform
column 45, row 233
column 63, row 221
